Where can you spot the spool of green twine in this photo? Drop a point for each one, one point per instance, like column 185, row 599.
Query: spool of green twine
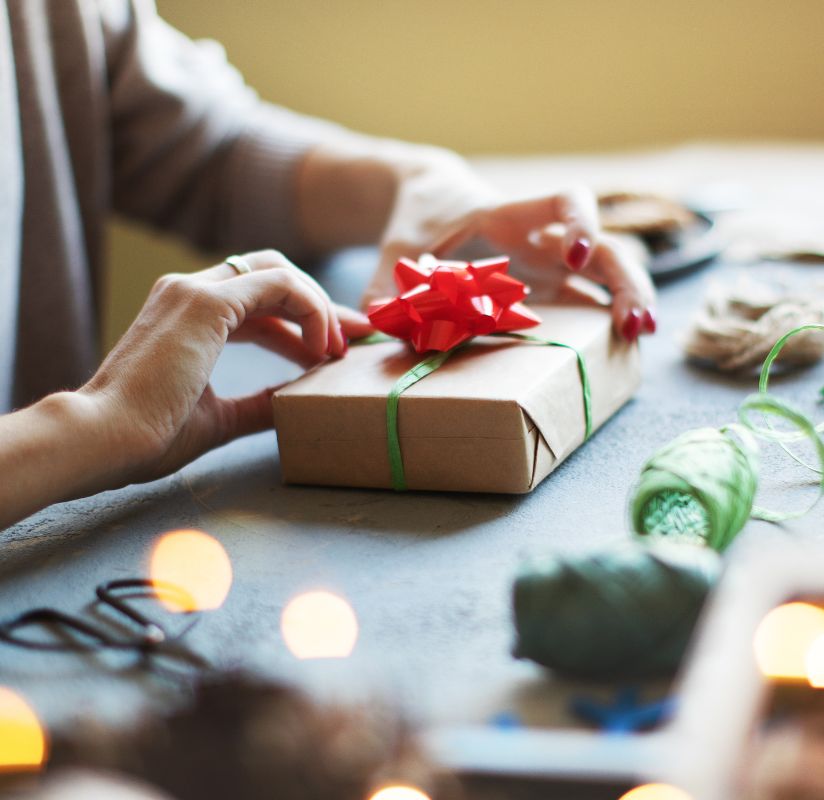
column 699, row 487
column 626, row 613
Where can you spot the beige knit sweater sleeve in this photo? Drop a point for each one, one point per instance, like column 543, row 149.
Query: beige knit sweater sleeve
column 195, row 151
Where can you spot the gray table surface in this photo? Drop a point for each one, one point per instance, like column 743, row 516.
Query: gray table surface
column 428, row 574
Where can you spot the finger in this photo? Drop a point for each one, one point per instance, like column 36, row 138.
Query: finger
column 577, row 290
column 262, row 260
column 337, row 339
column 575, row 210
column 540, row 262
column 633, row 296
column 547, row 245
column 279, row 292
column 353, row 323
column 279, row 336
column 255, row 260
column 224, row 270
column 619, row 267
column 246, row 415
column 578, row 210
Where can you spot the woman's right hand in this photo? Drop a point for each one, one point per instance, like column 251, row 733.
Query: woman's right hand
column 150, row 409
column 152, row 394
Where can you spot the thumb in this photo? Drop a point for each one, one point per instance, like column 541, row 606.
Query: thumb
column 353, row 323
column 249, row 414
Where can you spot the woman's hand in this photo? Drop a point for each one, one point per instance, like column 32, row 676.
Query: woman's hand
column 150, row 409
column 154, row 385
column 442, row 206
column 153, row 392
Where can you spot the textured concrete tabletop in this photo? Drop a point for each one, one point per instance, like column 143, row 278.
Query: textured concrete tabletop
column 428, row 575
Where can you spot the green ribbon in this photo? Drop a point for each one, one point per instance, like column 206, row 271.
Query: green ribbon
column 763, row 383
column 434, row 362
column 767, row 404
column 409, row 378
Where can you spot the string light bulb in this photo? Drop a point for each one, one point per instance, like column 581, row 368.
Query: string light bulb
column 319, row 624
column 198, row 568
column 655, row 791
column 23, row 742
column 783, row 639
column 399, row 793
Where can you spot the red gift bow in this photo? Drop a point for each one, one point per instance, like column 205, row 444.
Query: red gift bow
column 444, row 303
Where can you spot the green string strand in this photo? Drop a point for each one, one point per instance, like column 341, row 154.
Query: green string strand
column 764, row 377
column 763, row 383
column 766, row 404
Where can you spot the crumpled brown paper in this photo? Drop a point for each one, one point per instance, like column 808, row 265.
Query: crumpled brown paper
column 742, row 321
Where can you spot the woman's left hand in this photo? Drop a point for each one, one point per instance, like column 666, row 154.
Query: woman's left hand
column 554, row 237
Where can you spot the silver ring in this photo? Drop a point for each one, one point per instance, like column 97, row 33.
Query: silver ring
column 240, row 265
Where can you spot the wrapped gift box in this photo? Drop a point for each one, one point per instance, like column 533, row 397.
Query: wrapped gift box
column 498, row 416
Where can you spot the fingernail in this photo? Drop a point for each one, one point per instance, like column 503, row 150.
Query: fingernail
column 345, row 345
column 632, row 326
column 577, row 254
column 650, row 324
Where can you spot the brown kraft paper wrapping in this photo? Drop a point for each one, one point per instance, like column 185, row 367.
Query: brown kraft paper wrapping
column 498, row 416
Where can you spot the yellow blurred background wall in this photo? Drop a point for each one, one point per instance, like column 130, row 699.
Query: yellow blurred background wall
column 523, row 76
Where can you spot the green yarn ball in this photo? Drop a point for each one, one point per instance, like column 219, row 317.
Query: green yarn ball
column 625, row 613
column 699, row 487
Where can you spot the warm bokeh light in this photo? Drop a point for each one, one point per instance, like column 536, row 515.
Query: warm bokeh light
column 22, row 738
column 783, row 640
column 399, row 793
column 319, row 625
column 815, row 663
column 197, row 564
column 655, row 791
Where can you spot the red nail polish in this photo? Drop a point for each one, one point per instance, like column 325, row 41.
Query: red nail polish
column 578, row 253
column 632, row 326
column 345, row 345
column 650, row 324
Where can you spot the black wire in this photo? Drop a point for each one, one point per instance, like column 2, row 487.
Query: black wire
column 153, row 640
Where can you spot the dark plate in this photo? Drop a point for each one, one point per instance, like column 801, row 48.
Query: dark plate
column 692, row 248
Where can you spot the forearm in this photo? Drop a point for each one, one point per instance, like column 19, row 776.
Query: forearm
column 351, row 192
column 50, row 452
